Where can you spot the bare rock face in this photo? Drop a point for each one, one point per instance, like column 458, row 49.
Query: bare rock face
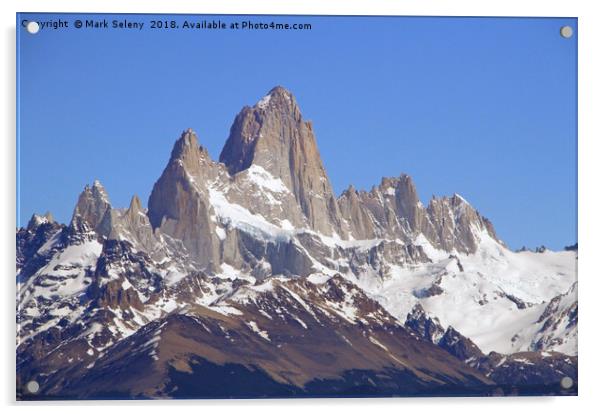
column 132, row 224
column 273, row 135
column 353, row 210
column 179, row 203
column 455, row 222
column 390, row 210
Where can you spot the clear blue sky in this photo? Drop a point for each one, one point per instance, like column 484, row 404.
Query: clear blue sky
column 485, row 107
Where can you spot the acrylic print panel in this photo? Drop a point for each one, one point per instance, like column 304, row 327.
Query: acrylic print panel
column 185, row 230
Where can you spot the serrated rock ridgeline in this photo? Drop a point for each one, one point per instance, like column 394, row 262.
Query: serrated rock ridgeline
column 393, row 210
column 270, row 165
column 270, row 142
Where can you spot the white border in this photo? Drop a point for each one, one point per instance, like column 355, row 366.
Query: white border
column 590, row 159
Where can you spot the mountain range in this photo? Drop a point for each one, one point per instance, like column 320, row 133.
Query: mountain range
column 248, row 277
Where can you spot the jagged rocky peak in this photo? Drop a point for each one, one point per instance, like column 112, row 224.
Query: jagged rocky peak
column 403, row 183
column 353, row 209
column 273, row 135
column 407, row 203
column 459, row 346
column 275, row 123
column 131, row 224
column 429, row 328
column 135, row 213
column 423, row 325
column 92, row 205
column 282, row 99
column 37, row 220
column 186, row 167
column 406, row 189
column 188, row 154
column 135, row 205
column 458, row 225
column 99, row 191
column 179, row 203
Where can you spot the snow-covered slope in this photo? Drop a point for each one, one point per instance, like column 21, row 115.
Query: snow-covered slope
column 494, row 296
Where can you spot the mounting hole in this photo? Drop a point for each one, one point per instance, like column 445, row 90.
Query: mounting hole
column 33, row 27
column 566, row 383
column 566, row 32
column 32, row 387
